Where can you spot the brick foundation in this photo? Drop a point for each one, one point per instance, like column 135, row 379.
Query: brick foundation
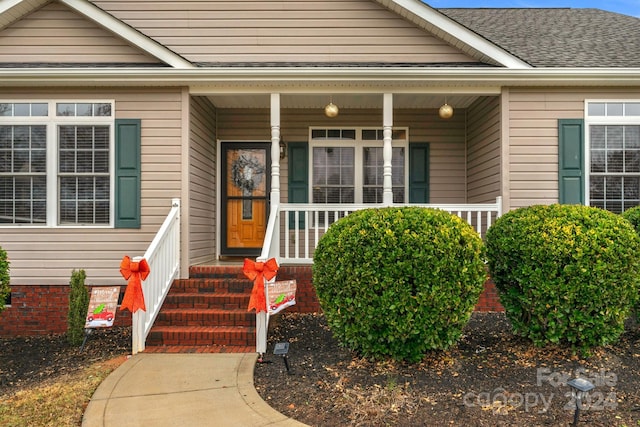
column 42, row 310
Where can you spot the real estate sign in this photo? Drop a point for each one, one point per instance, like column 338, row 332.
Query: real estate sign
column 102, row 307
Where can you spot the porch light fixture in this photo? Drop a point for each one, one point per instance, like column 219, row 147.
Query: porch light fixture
column 445, row 111
column 331, row 110
column 283, row 149
column 579, row 389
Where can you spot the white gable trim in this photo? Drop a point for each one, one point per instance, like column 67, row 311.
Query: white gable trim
column 13, row 10
column 458, row 35
column 128, row 33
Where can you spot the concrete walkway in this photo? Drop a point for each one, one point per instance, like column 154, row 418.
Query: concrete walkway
column 161, row 390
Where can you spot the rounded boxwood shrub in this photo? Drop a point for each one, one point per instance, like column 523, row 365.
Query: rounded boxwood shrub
column 633, row 216
column 566, row 274
column 396, row 282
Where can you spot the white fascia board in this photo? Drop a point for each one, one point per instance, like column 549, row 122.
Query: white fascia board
column 459, row 32
column 128, row 33
column 8, row 4
column 296, row 79
column 13, row 10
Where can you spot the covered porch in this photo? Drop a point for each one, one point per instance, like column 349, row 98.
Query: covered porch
column 380, row 149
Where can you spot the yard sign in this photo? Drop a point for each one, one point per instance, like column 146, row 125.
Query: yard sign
column 102, row 307
column 280, row 295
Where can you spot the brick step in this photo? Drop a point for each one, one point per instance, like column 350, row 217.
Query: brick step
column 201, row 336
column 210, row 285
column 205, row 317
column 223, row 300
column 217, row 271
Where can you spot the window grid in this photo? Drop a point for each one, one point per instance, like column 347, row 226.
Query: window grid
column 366, row 184
column 60, row 172
column 614, row 180
column 83, row 174
column 22, row 174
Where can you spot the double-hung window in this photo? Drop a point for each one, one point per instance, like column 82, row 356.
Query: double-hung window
column 613, row 135
column 56, row 163
column 347, row 165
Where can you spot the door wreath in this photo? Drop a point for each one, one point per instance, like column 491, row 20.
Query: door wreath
column 247, row 173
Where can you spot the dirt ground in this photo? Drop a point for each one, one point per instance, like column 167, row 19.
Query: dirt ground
column 26, row 361
column 491, row 378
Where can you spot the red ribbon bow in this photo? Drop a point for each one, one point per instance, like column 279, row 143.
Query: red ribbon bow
column 258, row 272
column 135, row 273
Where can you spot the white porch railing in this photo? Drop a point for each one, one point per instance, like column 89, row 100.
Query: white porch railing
column 302, row 225
column 163, row 257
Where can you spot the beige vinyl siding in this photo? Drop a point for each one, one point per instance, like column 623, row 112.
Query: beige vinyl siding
column 483, row 152
column 446, row 139
column 283, row 31
column 533, row 128
column 202, row 182
column 54, row 33
column 48, row 255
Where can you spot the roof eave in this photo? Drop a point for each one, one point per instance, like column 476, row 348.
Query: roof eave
column 294, row 76
column 452, row 32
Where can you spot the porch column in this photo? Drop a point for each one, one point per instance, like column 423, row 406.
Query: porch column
column 387, row 125
column 275, row 148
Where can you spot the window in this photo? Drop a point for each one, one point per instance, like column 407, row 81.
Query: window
column 347, row 165
column 613, row 132
column 56, row 163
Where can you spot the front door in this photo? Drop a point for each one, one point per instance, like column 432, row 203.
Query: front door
column 245, row 187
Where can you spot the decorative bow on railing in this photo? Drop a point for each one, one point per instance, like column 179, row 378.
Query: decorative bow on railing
column 258, row 272
column 135, row 272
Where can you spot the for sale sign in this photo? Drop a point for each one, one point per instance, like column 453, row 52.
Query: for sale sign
column 102, row 307
column 280, row 295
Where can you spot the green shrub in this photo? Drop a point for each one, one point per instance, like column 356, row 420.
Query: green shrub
column 4, row 278
column 633, row 216
column 78, row 306
column 566, row 274
column 396, row 282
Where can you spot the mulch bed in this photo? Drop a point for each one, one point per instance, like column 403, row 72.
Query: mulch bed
column 27, row 361
column 491, row 378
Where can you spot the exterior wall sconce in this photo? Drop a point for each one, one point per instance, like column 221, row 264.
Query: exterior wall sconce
column 445, row 111
column 331, row 110
column 579, row 389
column 283, row 149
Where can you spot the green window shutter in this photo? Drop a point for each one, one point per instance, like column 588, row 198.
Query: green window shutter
column 127, row 167
column 571, row 161
column 419, row 173
column 298, row 155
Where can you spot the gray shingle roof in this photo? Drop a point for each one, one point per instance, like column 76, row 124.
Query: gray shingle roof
column 558, row 37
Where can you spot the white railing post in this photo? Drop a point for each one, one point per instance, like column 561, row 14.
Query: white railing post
column 163, row 257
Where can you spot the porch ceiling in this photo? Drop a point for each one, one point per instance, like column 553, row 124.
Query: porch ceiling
column 343, row 100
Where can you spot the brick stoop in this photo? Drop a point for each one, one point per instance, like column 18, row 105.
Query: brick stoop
column 206, row 313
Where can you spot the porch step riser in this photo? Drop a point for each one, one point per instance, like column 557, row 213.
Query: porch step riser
column 178, row 317
column 201, row 336
column 200, row 301
column 217, row 272
column 209, row 286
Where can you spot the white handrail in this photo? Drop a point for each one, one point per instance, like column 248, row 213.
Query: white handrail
column 271, row 238
column 163, row 257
